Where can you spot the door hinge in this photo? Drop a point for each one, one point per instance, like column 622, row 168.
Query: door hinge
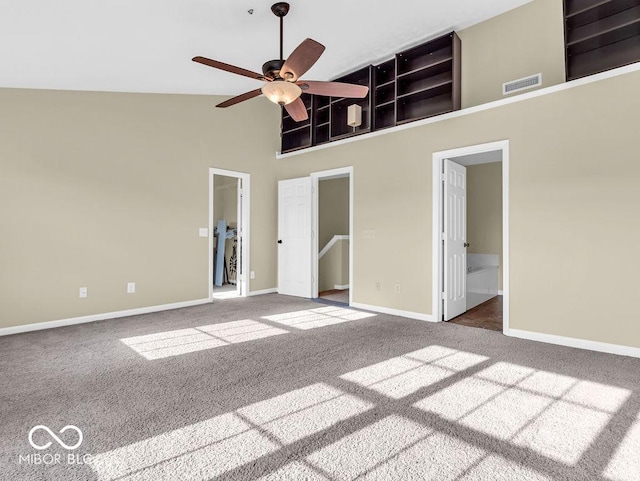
column 444, row 296
column 443, row 236
column 313, row 234
column 443, row 177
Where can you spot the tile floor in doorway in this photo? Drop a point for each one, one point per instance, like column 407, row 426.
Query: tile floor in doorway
column 336, row 295
column 487, row 315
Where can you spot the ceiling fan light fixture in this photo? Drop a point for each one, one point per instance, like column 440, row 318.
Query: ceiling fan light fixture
column 281, row 92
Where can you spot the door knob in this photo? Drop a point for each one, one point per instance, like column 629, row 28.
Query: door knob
column 466, row 244
column 279, row 241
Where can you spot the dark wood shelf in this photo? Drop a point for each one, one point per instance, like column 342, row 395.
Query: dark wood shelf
column 425, row 55
column 296, row 129
column 426, row 89
column 390, row 102
column 619, row 21
column 423, row 105
column 386, row 84
column 433, row 64
column 600, row 35
column 346, row 135
column 603, row 59
column 585, row 6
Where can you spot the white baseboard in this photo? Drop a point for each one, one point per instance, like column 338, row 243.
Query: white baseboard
column 37, row 326
column 394, row 312
column 574, row 342
column 263, row 291
column 341, row 288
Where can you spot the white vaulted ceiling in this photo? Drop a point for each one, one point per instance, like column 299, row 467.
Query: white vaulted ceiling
column 147, row 45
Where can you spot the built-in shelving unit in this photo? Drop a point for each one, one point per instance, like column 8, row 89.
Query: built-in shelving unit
column 420, row 82
column 600, row 35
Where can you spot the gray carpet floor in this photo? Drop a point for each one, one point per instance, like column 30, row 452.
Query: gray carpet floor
column 278, row 388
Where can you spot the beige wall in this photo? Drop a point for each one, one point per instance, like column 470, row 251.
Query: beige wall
column 525, row 41
column 573, row 197
column 101, row 189
column 333, row 219
column 484, row 211
column 333, row 209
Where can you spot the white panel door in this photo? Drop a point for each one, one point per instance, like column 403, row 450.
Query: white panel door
column 294, row 237
column 455, row 238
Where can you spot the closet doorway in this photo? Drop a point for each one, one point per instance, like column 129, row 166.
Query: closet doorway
column 228, row 234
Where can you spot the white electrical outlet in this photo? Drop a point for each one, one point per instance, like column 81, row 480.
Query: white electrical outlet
column 252, row 274
column 397, row 288
column 378, row 285
column 131, row 287
column 83, row 293
column 368, row 234
column 203, row 232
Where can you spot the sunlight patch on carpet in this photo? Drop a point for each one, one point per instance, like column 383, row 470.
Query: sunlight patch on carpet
column 529, row 408
column 182, row 341
column 215, row 446
column 300, row 413
column 314, row 318
column 403, row 375
column 396, row 448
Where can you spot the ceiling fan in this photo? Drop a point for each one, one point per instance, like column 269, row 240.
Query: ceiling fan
column 282, row 77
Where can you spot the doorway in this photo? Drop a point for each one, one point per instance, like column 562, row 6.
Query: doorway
column 470, row 241
column 332, row 247
column 315, row 252
column 228, row 234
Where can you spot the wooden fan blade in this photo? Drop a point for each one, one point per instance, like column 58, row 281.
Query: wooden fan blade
column 334, row 89
column 301, row 60
column 229, row 68
column 240, row 98
column 297, row 110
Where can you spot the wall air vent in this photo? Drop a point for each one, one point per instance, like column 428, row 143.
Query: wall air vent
column 521, row 84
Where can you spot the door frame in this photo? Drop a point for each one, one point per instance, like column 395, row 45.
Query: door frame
column 438, row 221
column 316, row 177
column 243, row 282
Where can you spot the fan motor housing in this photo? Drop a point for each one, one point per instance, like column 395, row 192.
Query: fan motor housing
column 272, row 68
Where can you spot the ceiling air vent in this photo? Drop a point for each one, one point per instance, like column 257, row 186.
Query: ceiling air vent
column 521, row 84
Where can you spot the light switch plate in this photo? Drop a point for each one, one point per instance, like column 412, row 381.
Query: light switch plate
column 204, row 232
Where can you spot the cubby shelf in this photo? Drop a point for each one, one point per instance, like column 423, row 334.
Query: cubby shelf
column 600, row 35
column 417, row 83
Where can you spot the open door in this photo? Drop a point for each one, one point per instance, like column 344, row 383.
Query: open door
column 455, row 239
column 294, row 237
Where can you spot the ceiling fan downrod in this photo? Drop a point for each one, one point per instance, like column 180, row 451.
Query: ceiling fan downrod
column 280, row 10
